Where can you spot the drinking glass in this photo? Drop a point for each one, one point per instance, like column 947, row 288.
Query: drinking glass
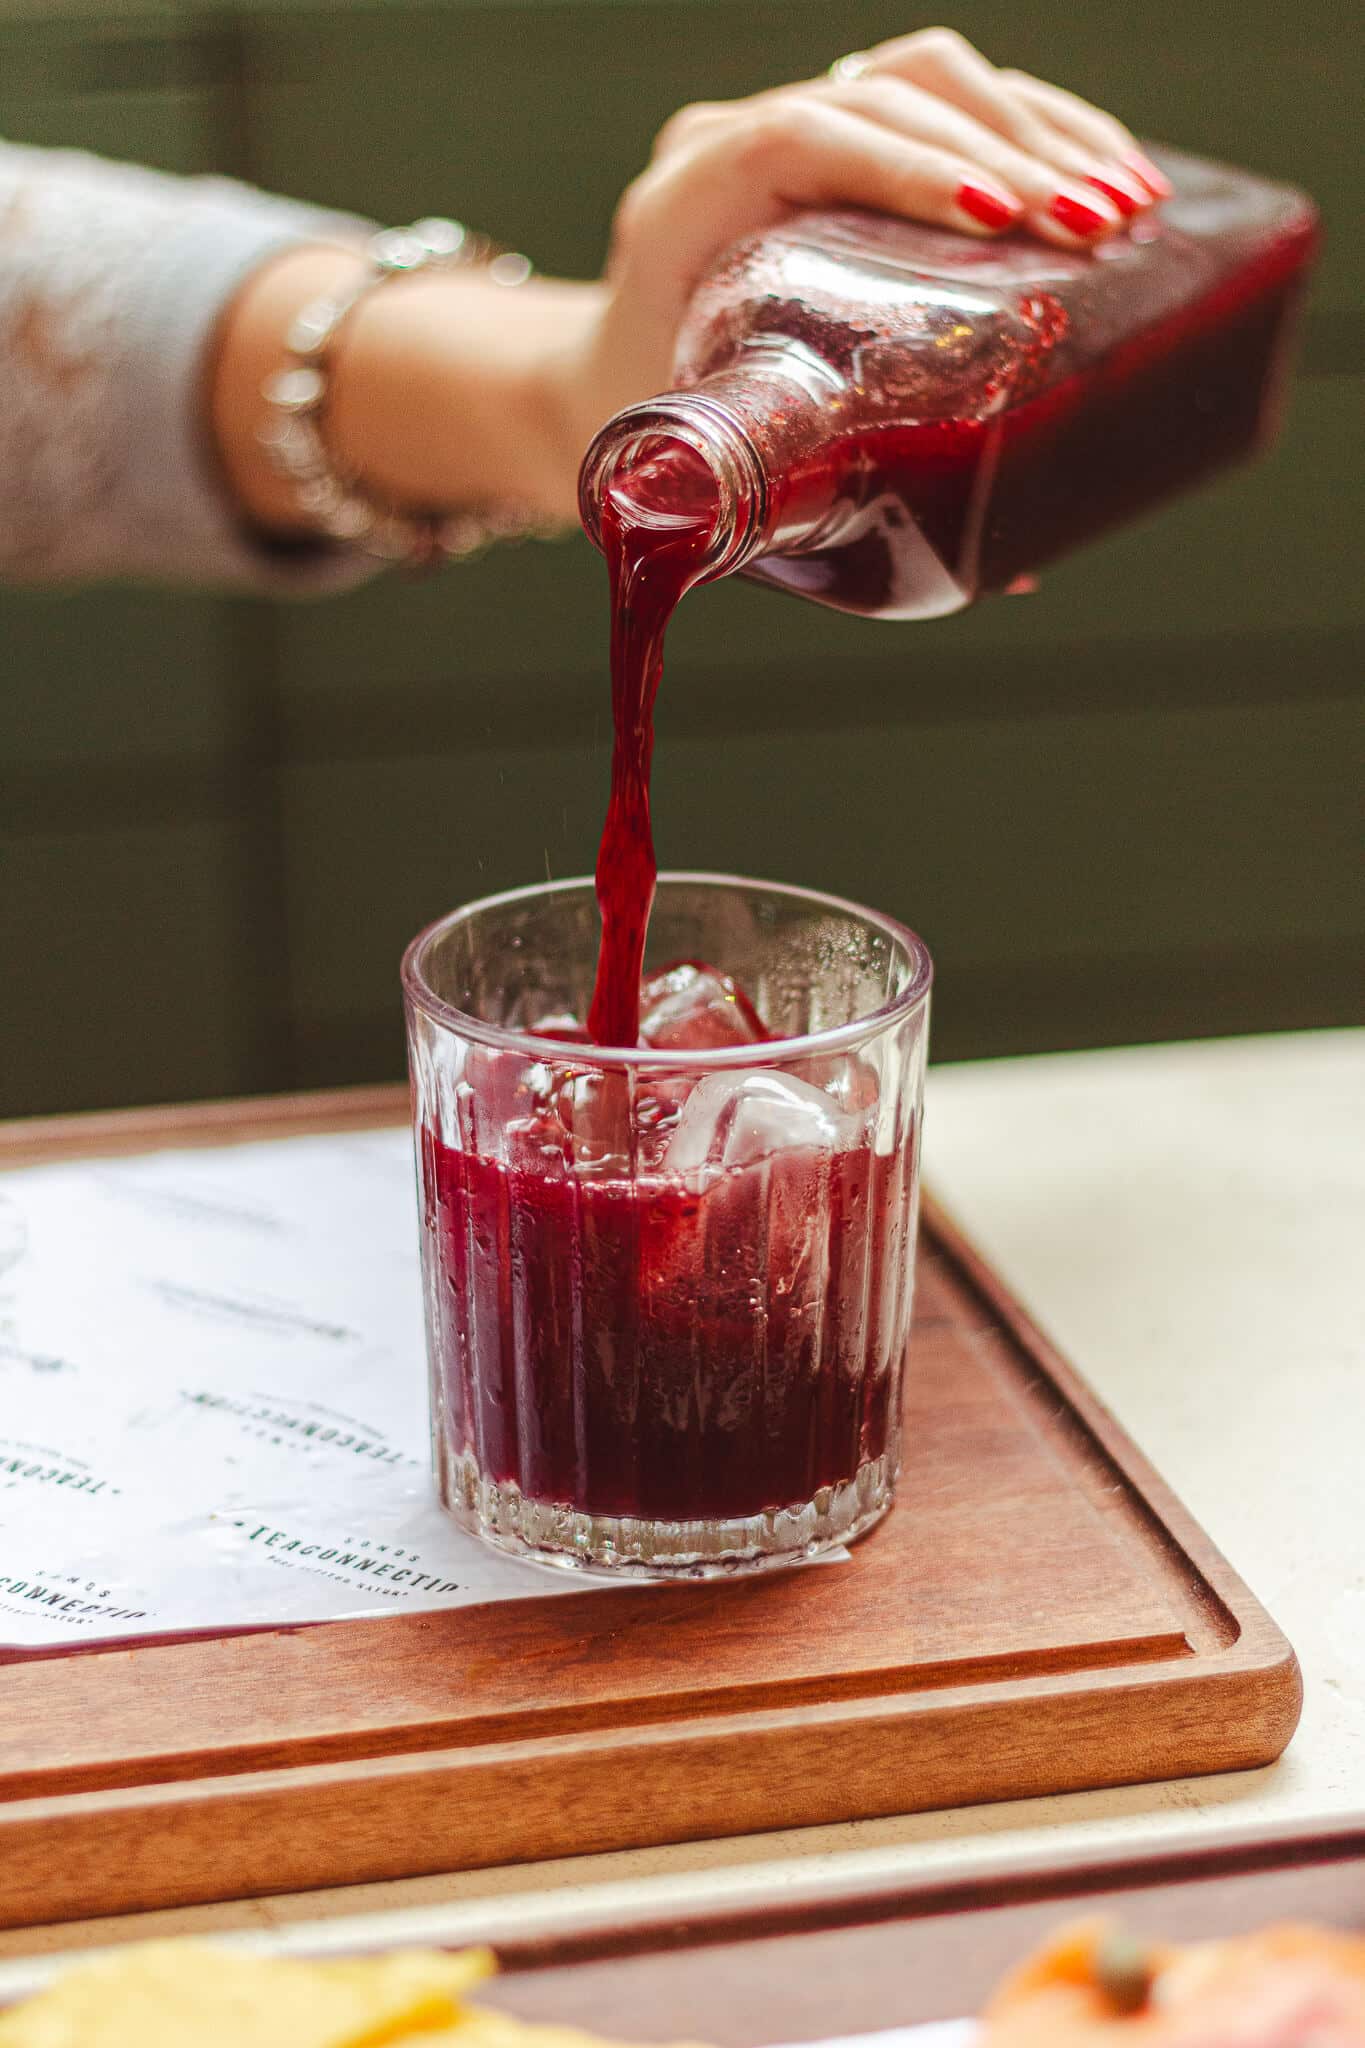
column 668, row 1288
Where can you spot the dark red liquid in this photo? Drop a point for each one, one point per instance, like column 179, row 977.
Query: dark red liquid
column 927, row 515
column 641, row 1349
column 655, row 541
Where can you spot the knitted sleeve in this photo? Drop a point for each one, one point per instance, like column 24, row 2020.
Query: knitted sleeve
column 112, row 280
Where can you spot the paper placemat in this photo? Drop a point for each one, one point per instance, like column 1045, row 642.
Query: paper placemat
column 213, row 1408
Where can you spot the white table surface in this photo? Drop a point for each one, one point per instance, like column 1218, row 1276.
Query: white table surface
column 1188, row 1222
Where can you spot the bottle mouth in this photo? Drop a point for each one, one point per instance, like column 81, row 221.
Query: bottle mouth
column 663, row 482
column 677, row 464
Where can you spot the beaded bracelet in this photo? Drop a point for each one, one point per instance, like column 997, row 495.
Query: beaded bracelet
column 294, row 436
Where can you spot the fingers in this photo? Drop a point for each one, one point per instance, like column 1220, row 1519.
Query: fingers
column 966, row 175
column 727, row 174
column 1060, row 205
column 921, row 126
column 1089, row 127
column 880, row 146
column 1041, row 120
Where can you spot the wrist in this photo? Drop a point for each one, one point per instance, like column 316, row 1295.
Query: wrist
column 446, row 391
column 450, row 391
column 250, row 348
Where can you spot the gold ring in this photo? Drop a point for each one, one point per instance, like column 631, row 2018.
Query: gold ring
column 851, row 66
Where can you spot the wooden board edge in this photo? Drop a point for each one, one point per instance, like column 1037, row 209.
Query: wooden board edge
column 193, row 1841
column 602, row 1720
column 101, row 1134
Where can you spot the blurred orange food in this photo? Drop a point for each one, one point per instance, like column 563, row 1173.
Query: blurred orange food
column 1093, row 1986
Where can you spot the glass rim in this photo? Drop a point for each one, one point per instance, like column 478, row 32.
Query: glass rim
column 837, row 1038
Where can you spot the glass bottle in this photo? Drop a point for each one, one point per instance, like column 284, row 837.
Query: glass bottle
column 894, row 419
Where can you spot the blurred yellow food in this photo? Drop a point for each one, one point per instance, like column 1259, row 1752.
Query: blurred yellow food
column 191, row 1994
column 195, row 1994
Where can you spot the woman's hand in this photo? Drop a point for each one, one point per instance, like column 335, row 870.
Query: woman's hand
column 451, row 392
column 921, row 126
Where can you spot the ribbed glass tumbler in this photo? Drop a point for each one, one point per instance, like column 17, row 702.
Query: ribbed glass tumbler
column 668, row 1288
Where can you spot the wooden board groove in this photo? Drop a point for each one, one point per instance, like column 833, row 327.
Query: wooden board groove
column 541, row 1724
column 1039, row 1615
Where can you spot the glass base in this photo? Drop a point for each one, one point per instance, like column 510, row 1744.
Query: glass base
column 626, row 1546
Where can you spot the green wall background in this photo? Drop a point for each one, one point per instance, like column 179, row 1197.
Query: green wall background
column 1126, row 807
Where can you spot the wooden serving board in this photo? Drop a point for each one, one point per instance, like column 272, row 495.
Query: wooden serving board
column 1038, row 1615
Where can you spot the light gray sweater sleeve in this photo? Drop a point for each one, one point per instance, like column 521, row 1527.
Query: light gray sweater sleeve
column 112, row 280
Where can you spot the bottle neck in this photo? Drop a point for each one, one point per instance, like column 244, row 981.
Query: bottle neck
column 734, row 448
column 679, row 457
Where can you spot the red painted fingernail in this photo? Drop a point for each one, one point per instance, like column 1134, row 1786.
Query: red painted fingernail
column 1156, row 181
column 1124, row 197
column 992, row 208
column 1081, row 219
